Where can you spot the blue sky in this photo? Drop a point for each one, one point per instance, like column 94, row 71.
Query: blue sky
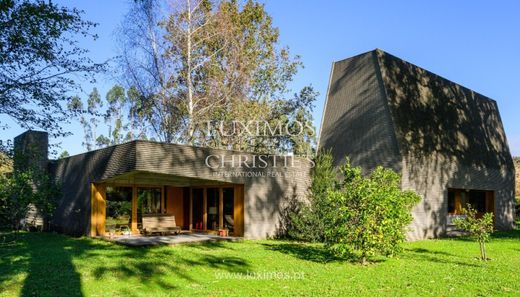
column 474, row 43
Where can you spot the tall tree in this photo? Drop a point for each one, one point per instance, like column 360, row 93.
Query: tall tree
column 145, row 69
column 94, row 103
column 39, row 55
column 209, row 61
column 116, row 113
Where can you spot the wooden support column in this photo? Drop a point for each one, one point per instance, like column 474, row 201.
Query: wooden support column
column 102, row 210
column 134, row 210
column 93, row 210
column 191, row 209
column 238, row 210
column 98, row 209
column 220, row 208
column 205, row 210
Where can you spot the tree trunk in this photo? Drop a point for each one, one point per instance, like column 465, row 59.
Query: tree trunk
column 363, row 258
column 484, row 256
column 189, row 80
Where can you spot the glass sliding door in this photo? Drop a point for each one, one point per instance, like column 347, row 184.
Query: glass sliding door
column 148, row 203
column 198, row 208
column 229, row 206
column 212, row 208
column 118, row 209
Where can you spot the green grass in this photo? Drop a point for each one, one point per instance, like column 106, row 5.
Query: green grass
column 55, row 265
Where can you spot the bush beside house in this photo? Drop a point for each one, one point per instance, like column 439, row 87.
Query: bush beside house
column 356, row 216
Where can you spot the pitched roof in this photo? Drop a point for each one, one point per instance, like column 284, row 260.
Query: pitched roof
column 427, row 113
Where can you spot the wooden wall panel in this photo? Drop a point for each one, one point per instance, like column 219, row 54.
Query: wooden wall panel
column 93, row 211
column 238, row 215
column 98, row 209
column 134, row 210
column 175, row 204
column 458, row 202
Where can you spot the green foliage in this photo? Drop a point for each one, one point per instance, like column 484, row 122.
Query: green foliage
column 307, row 218
column 478, row 227
column 47, row 195
column 64, row 154
column 351, row 213
column 214, row 61
column 6, row 163
column 368, row 215
column 16, row 193
column 38, row 56
column 27, row 188
column 47, row 264
column 115, row 110
column 22, row 190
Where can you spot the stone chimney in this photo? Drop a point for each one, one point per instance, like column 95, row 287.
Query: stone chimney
column 31, row 150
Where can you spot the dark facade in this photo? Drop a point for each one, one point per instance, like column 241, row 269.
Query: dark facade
column 381, row 110
column 267, row 189
column 446, row 141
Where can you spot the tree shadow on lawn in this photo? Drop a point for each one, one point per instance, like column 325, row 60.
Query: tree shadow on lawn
column 312, row 252
column 150, row 264
column 47, row 262
column 55, row 264
column 511, row 234
column 209, row 245
column 426, row 255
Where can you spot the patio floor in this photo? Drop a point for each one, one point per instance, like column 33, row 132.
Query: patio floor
column 184, row 238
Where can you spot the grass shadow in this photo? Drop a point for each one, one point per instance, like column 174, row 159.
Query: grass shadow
column 511, row 234
column 441, row 257
column 305, row 251
column 46, row 261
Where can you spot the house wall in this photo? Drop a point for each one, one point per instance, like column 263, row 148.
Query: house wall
column 449, row 137
column 31, row 152
column 75, row 175
column 356, row 121
column 381, row 110
column 267, row 191
column 432, row 176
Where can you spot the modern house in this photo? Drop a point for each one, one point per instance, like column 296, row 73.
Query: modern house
column 446, row 141
column 204, row 189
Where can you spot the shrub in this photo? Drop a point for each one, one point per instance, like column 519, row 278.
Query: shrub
column 367, row 215
column 306, row 217
column 25, row 188
column 16, row 194
column 479, row 228
column 353, row 214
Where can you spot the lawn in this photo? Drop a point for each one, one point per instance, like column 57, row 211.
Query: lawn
column 55, row 265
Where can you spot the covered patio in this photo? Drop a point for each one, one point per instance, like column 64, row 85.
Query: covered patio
column 119, row 204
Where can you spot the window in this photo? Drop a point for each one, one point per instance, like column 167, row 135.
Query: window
column 477, row 199
column 228, row 195
column 451, row 201
column 212, row 208
column 118, row 207
column 149, row 200
column 481, row 201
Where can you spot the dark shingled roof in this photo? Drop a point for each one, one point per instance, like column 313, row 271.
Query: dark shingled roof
column 427, row 114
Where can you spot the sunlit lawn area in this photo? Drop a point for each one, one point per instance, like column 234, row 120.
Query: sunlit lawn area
column 54, row 265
